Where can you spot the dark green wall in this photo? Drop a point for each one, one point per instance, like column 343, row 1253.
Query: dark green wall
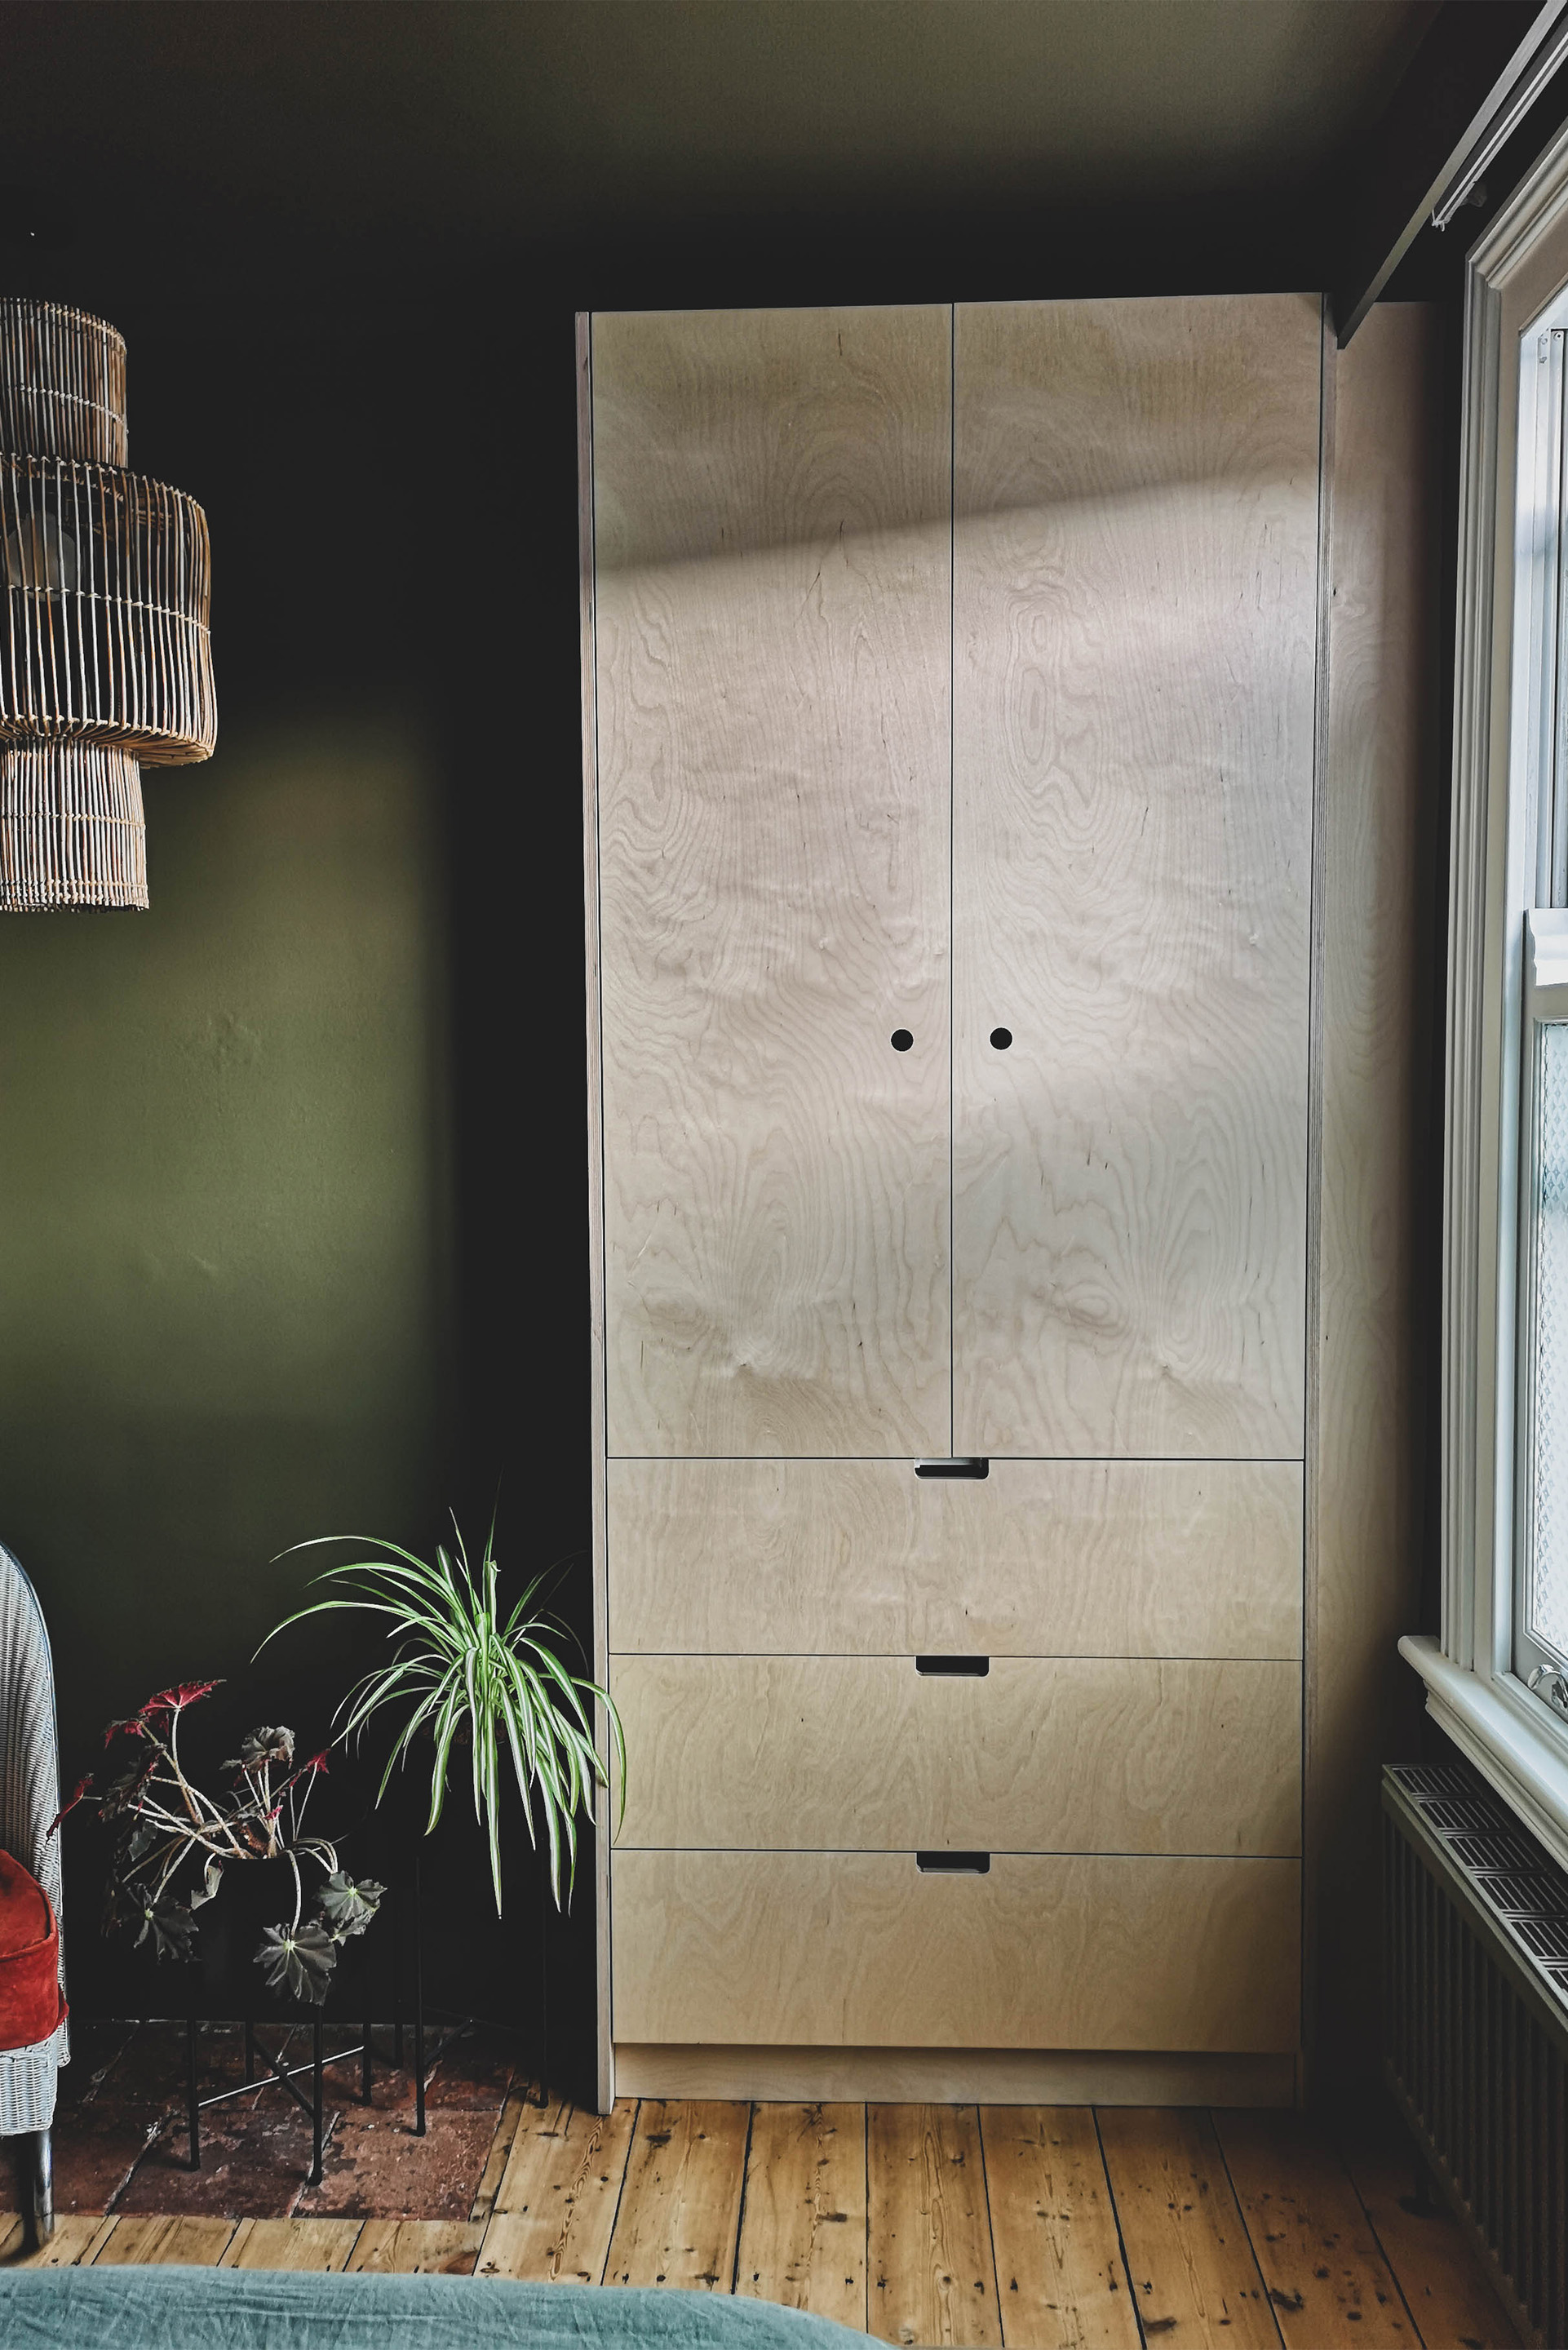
column 225, row 1244
column 292, row 1190
column 227, row 1240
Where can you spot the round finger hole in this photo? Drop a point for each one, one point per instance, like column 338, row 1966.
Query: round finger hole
column 902, row 1040
column 1002, row 1038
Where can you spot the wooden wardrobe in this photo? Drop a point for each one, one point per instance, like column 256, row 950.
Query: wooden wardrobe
column 952, row 680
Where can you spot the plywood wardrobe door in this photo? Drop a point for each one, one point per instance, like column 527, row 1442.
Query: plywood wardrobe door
column 772, row 520
column 1135, row 597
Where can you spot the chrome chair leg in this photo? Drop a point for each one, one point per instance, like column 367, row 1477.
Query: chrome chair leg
column 40, row 2164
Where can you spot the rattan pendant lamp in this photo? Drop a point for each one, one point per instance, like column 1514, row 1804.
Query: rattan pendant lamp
column 105, row 663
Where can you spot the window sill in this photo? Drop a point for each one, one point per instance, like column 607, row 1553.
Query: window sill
column 1494, row 1729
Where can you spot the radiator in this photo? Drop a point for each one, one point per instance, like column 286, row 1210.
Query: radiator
column 1476, row 2022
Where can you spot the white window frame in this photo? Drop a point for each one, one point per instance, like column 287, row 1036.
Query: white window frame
column 1543, row 1669
column 1505, row 721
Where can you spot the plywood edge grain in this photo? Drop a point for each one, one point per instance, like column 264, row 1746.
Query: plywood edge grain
column 995, row 2076
column 1312, row 1397
column 604, row 2047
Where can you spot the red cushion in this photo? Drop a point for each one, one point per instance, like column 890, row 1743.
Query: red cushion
column 30, row 2001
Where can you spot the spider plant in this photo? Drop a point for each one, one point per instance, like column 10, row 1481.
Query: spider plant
column 464, row 1669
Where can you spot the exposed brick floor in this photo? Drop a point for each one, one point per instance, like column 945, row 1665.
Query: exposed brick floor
column 120, row 2143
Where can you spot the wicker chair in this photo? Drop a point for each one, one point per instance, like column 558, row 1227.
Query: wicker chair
column 29, row 1799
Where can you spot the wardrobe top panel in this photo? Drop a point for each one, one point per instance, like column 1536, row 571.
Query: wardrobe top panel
column 723, row 434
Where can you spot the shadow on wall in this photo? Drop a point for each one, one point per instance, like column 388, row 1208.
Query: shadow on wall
column 223, row 1285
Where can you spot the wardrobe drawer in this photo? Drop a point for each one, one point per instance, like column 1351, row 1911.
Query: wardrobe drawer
column 861, row 1950
column 1118, row 1558
column 1037, row 1754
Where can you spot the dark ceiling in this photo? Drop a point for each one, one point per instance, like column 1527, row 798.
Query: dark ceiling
column 552, row 112
column 202, row 135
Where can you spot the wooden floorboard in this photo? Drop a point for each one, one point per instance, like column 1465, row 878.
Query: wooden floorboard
column 321, row 2245
column 1445, row 2288
column 515, row 2115
column 1330, row 2285
column 1192, row 2268
column 417, row 2248
column 802, row 2223
column 556, row 2206
column 1059, row 2272
column 144, row 2240
column 1011, row 2227
column 77, row 2240
column 932, row 2273
column 681, row 2206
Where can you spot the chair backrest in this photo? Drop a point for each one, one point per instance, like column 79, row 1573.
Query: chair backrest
column 29, row 1745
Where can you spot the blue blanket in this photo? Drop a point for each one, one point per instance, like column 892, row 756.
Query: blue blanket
column 255, row 2309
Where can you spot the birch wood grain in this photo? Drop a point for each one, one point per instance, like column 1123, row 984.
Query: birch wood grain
column 1129, row 1558
column 557, row 2204
column 418, row 2247
column 1014, row 2076
column 1331, row 2287
column 604, row 2052
column 1191, row 2264
column 772, row 534
column 681, row 2206
column 866, row 1754
column 1059, row 2271
column 1134, row 608
column 319, row 2246
column 1378, row 1135
column 932, row 2275
column 803, row 2223
column 862, row 1949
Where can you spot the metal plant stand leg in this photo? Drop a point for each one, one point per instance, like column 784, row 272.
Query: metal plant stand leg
column 40, row 2161
column 542, row 2097
column 419, row 2014
column 398, row 1976
column 265, row 2068
column 192, row 2102
column 315, row 2103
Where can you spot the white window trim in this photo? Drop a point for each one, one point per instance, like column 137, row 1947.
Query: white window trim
column 1510, row 1735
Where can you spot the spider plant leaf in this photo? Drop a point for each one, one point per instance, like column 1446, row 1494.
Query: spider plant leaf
column 446, row 1731
column 401, row 1562
column 509, row 1716
column 458, row 1664
column 376, row 1690
column 552, row 1666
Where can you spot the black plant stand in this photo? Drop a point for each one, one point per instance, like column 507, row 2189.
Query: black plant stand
column 272, row 2070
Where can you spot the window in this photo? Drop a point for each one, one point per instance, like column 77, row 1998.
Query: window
column 1497, row 1676
column 1538, row 787
column 1539, row 1593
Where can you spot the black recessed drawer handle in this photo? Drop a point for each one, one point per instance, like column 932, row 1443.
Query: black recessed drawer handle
column 954, row 1864
column 976, row 1666
column 961, row 1468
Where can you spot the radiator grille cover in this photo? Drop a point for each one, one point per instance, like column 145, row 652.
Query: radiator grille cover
column 1475, row 2019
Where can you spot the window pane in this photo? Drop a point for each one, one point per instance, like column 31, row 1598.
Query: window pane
column 1548, row 1597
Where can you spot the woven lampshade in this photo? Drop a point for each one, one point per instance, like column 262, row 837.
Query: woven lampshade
column 104, row 660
